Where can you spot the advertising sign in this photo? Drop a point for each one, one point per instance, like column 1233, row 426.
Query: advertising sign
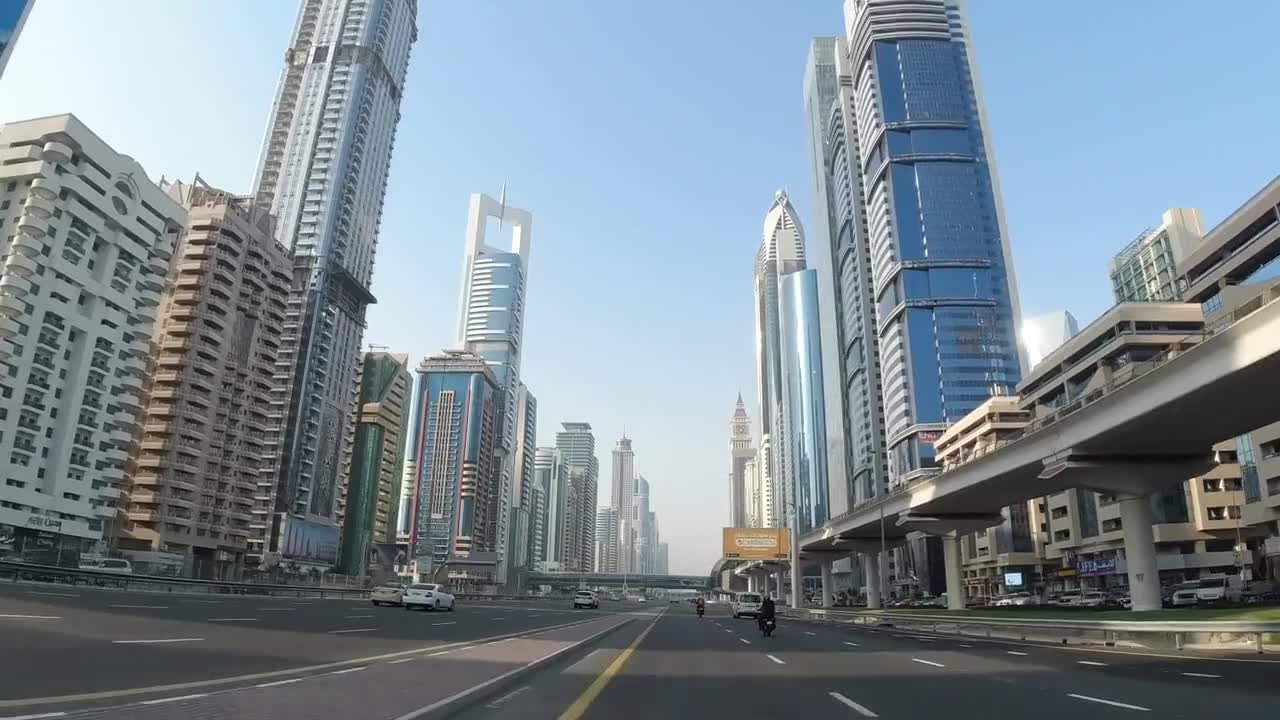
column 1101, row 565
column 757, row 543
column 308, row 540
column 1013, row 579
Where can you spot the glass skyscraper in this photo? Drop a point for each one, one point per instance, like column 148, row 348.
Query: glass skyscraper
column 804, row 409
column 323, row 174
column 945, row 300
column 491, row 324
column 13, row 13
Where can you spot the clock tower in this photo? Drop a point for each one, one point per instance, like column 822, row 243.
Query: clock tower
column 742, row 454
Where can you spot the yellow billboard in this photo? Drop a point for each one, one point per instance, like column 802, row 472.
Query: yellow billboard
column 757, row 543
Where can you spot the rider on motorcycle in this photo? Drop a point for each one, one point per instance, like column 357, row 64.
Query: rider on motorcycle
column 768, row 611
column 701, row 605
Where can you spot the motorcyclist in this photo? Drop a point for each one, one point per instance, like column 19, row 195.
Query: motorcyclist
column 767, row 612
column 701, row 605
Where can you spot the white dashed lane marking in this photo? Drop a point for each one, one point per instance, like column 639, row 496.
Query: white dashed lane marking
column 1112, row 703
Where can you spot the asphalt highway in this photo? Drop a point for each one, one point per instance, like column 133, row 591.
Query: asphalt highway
column 102, row 655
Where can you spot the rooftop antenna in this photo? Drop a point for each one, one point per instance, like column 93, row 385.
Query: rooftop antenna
column 502, row 203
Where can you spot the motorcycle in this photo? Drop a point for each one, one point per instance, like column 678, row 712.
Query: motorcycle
column 701, row 610
column 767, row 626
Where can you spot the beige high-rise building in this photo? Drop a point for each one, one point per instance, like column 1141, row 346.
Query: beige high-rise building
column 199, row 482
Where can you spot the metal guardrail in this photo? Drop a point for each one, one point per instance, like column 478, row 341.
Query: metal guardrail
column 19, row 571
column 1108, row 629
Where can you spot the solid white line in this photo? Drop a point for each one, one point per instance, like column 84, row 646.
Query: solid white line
column 232, row 620
column 37, row 592
column 32, row 617
column 141, row 607
column 203, row 602
column 927, row 662
column 744, row 641
column 1113, row 703
column 352, row 630
column 439, row 624
column 851, row 644
column 35, row 717
column 846, row 701
column 1090, row 662
column 149, row 642
column 965, row 646
column 806, row 632
column 355, row 617
column 498, row 618
column 1015, row 652
column 1202, row 675
column 401, row 660
column 775, row 659
column 348, row 670
column 279, row 682
column 275, row 609
column 172, row 699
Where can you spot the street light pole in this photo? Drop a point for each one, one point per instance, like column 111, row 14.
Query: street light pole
column 880, row 561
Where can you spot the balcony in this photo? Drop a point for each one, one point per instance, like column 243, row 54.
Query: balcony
column 143, row 516
column 33, row 226
column 8, row 328
column 105, row 511
column 15, row 285
column 27, row 246
column 21, row 265
column 56, row 152
column 11, row 306
column 170, row 360
column 45, row 187
column 39, row 206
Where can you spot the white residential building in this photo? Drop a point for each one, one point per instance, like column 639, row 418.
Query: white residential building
column 86, row 242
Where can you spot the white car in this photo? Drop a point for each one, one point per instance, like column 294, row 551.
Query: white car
column 585, row 599
column 110, row 565
column 389, row 594
column 747, row 605
column 427, row 597
column 1093, row 599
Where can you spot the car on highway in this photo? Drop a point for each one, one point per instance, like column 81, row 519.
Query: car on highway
column 427, row 596
column 387, row 594
column 585, row 599
column 747, row 604
column 114, row 566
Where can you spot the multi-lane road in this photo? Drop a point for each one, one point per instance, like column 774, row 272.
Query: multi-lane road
column 79, row 653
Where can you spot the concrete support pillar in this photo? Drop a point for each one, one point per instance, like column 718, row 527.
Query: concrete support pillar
column 1140, row 552
column 782, row 594
column 871, row 576
column 955, row 583
column 828, row 592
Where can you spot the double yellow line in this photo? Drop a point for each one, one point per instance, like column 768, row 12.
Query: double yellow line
column 588, row 696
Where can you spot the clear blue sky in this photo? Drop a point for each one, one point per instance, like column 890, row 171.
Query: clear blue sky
column 648, row 139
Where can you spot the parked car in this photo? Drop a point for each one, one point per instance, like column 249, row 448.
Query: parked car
column 427, row 596
column 1093, row 599
column 747, row 604
column 1070, row 598
column 1184, row 594
column 388, row 594
column 1219, row 589
column 1018, row 599
column 585, row 599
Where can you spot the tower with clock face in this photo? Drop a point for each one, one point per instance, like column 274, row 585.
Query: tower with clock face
column 742, row 455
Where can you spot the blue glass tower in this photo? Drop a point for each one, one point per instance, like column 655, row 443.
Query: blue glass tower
column 804, row 407
column 945, row 299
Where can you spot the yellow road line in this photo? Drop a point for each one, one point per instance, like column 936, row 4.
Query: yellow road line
column 588, row 696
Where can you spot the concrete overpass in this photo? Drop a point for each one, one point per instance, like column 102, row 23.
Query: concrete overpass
column 1147, row 429
column 575, row 579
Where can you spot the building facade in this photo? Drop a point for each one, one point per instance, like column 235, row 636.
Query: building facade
column 577, row 447
column 86, row 242
column 194, row 499
column 1146, row 270
column 945, row 297
column 1042, row 334
column 1233, row 271
column 524, row 497
column 323, row 174
column 622, row 499
column 781, row 253
column 452, row 447
column 803, row 401
column 741, row 452
column 664, row 559
column 374, row 459
column 491, row 324
column 13, row 14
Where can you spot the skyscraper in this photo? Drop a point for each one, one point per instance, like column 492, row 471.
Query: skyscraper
column 741, row 452
column 577, row 447
column 608, row 526
column 664, row 559
column 781, row 253
column 804, row 412
column 1146, row 270
column 208, row 397
column 491, row 324
column 523, row 497
column 85, row 245
column 372, row 460
column 13, row 13
column 1043, row 334
column 551, row 475
column 642, row 552
column 452, row 446
column 323, row 174
column 846, row 302
column 622, row 499
column 946, row 303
